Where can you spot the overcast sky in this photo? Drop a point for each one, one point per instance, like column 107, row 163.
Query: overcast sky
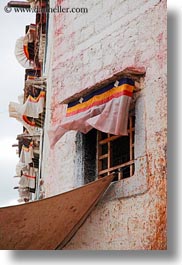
column 12, row 27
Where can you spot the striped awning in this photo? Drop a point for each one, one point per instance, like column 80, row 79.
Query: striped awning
column 21, row 53
column 24, row 48
column 105, row 109
column 33, row 106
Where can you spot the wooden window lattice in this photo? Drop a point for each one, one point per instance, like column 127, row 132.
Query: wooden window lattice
column 116, row 153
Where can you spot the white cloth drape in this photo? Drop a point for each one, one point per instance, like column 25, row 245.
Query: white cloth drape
column 32, row 107
column 105, row 109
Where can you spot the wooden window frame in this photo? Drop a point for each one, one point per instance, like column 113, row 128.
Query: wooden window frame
column 108, row 155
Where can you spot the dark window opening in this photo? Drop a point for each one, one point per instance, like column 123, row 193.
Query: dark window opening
column 89, row 141
column 86, row 155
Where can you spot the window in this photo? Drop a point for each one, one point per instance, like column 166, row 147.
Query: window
column 116, row 153
column 99, row 154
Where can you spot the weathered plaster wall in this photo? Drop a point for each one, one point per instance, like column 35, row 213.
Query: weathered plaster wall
column 84, row 50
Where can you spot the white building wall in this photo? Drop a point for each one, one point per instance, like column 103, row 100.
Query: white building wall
column 84, row 50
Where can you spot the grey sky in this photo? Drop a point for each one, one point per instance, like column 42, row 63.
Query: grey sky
column 12, row 26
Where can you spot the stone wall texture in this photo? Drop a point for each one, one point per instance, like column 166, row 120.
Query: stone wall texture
column 85, row 49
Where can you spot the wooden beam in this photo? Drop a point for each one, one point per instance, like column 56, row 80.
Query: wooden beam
column 131, row 72
column 20, row 4
column 112, row 138
column 103, row 156
column 14, row 145
column 109, row 155
column 131, row 148
column 116, row 167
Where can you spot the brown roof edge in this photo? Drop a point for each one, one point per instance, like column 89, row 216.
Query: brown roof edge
column 21, row 4
column 49, row 223
column 132, row 72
